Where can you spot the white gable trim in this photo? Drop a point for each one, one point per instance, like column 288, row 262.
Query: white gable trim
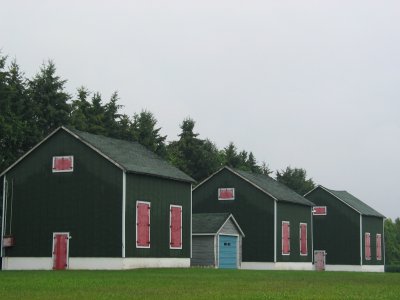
column 237, row 174
column 48, row 137
column 234, row 221
column 325, row 189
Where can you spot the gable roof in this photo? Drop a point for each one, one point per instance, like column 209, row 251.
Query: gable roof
column 354, row 202
column 267, row 185
column 129, row 156
column 211, row 223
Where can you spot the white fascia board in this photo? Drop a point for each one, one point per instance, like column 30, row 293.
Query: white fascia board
column 234, row 221
column 208, row 178
column 30, row 151
column 94, row 148
column 339, row 199
column 309, row 192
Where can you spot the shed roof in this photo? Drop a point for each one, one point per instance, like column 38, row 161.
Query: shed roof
column 354, row 203
column 211, row 223
column 129, row 156
column 269, row 186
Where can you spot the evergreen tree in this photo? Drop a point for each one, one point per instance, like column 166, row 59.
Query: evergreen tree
column 145, row 132
column 296, row 179
column 196, row 157
column 49, row 99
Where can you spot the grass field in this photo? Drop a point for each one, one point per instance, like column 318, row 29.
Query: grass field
column 197, row 284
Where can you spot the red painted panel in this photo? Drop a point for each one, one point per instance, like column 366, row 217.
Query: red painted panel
column 226, row 194
column 378, row 247
column 285, row 238
column 176, row 227
column 367, row 246
column 319, row 210
column 62, row 163
column 143, row 225
column 303, row 239
column 60, row 251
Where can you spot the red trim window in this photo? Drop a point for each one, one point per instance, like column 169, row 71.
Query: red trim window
column 175, row 227
column 378, row 246
column 226, row 194
column 367, row 246
column 303, row 239
column 63, row 164
column 285, row 238
column 319, row 211
column 142, row 224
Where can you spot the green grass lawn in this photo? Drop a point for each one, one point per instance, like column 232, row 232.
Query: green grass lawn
column 197, row 284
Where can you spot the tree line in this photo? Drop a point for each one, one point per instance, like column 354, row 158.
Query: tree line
column 31, row 108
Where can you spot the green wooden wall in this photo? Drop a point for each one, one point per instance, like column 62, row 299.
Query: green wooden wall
column 373, row 225
column 161, row 193
column 254, row 211
column 295, row 214
column 338, row 232
column 87, row 202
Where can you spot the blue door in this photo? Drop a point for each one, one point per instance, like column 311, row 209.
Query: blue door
column 228, row 252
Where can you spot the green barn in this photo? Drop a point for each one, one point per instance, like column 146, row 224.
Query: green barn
column 84, row 201
column 277, row 221
column 347, row 232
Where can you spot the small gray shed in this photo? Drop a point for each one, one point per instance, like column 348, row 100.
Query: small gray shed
column 216, row 241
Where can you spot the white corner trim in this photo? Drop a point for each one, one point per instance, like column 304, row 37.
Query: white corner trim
column 3, row 216
column 191, row 221
column 312, row 236
column 123, row 211
column 275, row 229
column 361, row 241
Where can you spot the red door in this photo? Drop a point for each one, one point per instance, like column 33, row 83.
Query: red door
column 60, row 251
column 319, row 260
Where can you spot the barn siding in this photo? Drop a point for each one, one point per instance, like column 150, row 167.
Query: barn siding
column 295, row 214
column 373, row 225
column 338, row 232
column 203, row 251
column 87, row 202
column 161, row 193
column 253, row 210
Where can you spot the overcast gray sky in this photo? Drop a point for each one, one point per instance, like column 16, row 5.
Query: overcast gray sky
column 311, row 84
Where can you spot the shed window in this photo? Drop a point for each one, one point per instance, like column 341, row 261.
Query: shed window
column 303, row 239
column 175, row 227
column 63, row 164
column 319, row 211
column 285, row 238
column 378, row 246
column 367, row 246
column 142, row 224
column 226, row 194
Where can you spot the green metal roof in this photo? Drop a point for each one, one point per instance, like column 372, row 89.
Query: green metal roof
column 355, row 203
column 132, row 156
column 208, row 223
column 272, row 187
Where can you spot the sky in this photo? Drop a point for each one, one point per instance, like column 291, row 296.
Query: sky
column 309, row 84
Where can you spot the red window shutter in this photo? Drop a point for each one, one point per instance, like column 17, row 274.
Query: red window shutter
column 303, row 238
column 176, row 227
column 378, row 246
column 63, row 163
column 285, row 237
column 319, row 210
column 367, row 246
column 226, row 194
column 143, row 224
